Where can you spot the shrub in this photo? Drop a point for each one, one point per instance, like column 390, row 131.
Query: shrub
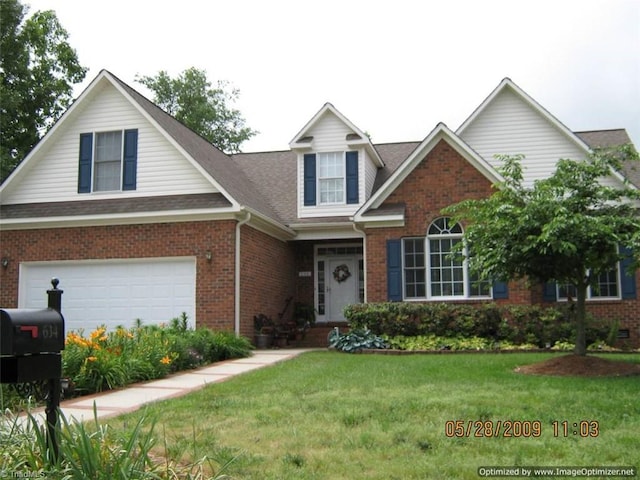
column 356, row 340
column 515, row 324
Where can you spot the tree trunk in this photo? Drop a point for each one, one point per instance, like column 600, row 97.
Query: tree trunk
column 581, row 320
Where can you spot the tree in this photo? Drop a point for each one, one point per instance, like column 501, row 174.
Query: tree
column 566, row 229
column 38, row 69
column 192, row 100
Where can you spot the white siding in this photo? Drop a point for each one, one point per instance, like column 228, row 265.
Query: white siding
column 370, row 172
column 508, row 125
column 53, row 173
column 329, row 135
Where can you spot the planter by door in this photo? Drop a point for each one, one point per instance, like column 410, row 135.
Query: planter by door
column 263, row 340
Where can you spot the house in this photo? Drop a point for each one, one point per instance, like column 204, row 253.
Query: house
column 141, row 218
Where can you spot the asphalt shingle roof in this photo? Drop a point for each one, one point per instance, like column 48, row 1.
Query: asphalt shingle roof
column 613, row 138
column 114, row 206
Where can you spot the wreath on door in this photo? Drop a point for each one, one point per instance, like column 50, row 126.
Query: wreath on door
column 341, row 273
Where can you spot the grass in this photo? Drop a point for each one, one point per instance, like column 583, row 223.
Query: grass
column 331, row 415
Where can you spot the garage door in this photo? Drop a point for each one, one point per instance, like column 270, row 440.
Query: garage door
column 114, row 292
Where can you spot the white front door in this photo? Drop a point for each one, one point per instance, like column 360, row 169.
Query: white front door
column 341, row 286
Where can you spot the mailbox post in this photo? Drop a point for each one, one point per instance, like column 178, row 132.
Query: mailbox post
column 31, row 342
column 54, row 302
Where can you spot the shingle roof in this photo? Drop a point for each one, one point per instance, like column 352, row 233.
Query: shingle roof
column 275, row 174
column 216, row 163
column 114, row 206
column 613, row 138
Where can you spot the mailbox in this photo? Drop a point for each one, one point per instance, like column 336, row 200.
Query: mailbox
column 31, row 341
column 27, row 331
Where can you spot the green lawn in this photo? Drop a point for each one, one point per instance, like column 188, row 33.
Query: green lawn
column 328, row 415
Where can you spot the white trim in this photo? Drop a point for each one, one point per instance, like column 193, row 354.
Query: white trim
column 440, row 132
column 119, row 219
column 507, row 83
column 353, row 256
column 466, row 296
column 364, row 140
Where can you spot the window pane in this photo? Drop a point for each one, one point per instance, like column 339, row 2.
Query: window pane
column 414, row 271
column 332, row 191
column 479, row 288
column 606, row 285
column 107, row 161
column 107, row 176
column 321, row 298
column 446, row 272
column 331, row 173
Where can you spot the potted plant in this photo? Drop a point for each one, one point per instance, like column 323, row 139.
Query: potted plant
column 304, row 315
column 263, row 331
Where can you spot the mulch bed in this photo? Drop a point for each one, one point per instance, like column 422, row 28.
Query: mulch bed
column 581, row 366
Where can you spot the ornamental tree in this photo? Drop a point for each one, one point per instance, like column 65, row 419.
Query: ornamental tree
column 38, row 69
column 566, row 229
column 207, row 110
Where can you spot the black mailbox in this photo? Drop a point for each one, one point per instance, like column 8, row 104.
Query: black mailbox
column 31, row 341
column 27, row 331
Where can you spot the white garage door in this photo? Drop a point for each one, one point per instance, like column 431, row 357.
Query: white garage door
column 113, row 292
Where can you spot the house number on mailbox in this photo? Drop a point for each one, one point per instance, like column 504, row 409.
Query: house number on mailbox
column 49, row 331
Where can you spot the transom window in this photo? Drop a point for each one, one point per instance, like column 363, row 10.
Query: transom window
column 331, row 177
column 432, row 271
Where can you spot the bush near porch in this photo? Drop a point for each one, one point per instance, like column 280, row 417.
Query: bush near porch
column 517, row 325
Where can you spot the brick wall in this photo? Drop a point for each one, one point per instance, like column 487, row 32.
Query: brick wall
column 267, row 277
column 441, row 179
column 214, row 279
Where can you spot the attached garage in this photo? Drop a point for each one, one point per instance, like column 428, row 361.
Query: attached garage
column 113, row 292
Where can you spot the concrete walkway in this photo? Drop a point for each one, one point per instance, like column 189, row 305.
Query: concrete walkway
column 129, row 399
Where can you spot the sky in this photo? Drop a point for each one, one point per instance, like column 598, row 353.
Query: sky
column 394, row 68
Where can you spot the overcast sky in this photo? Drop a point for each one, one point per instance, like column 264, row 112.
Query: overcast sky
column 395, row 68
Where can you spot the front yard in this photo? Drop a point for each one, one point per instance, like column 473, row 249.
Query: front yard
column 331, row 415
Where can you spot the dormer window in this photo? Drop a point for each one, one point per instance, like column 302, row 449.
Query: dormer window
column 333, row 175
column 108, row 161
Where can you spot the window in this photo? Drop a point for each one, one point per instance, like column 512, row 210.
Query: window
column 331, row 177
column 607, row 286
column 415, row 282
column 108, row 161
column 431, row 271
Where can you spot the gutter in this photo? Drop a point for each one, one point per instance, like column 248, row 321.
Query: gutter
column 237, row 274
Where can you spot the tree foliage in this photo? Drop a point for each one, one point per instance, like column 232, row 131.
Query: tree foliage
column 191, row 99
column 38, row 69
column 566, row 228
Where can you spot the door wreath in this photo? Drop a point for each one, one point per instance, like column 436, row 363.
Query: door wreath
column 341, row 273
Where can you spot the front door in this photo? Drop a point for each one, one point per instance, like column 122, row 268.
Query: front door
column 341, row 286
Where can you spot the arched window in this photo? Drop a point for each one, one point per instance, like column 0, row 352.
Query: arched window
column 446, row 271
column 430, row 269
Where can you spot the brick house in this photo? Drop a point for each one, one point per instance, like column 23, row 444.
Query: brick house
column 140, row 217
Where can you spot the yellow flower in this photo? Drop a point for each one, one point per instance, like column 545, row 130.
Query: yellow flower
column 98, row 333
column 166, row 360
column 92, row 359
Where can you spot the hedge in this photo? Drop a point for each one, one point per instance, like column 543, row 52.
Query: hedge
column 531, row 324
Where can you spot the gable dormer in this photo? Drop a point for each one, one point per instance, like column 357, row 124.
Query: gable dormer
column 336, row 165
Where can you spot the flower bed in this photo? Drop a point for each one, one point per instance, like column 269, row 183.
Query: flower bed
column 104, row 360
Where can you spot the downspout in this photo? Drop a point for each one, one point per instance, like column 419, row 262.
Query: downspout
column 237, row 274
column 364, row 258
